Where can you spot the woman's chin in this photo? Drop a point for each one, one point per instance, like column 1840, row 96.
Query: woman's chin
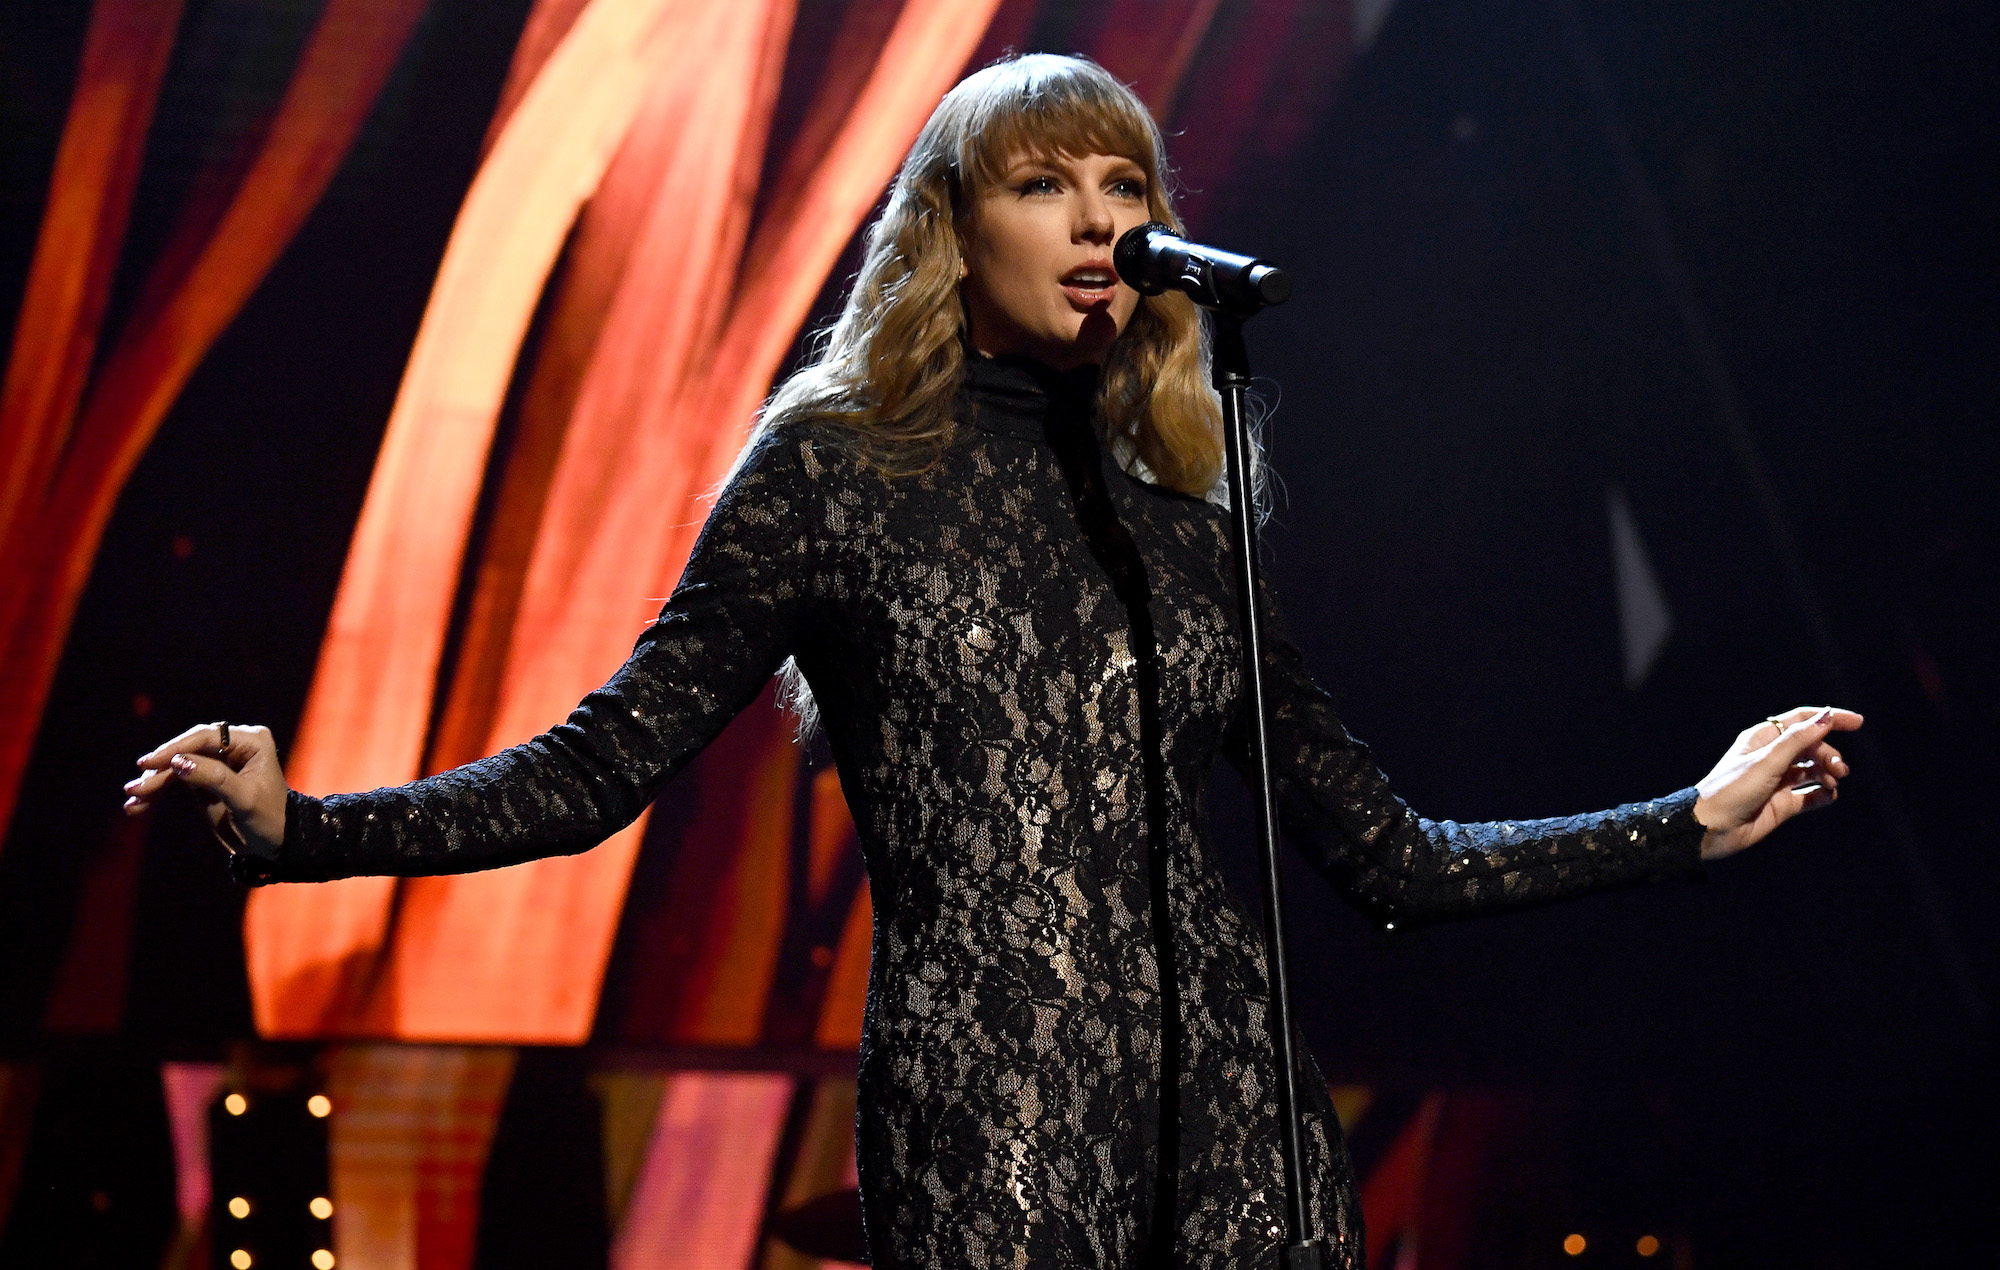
column 1086, row 341
column 1093, row 338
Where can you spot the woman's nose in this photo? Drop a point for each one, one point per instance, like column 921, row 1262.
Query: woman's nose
column 1093, row 221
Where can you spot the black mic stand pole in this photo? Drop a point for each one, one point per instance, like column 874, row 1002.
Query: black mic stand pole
column 1232, row 379
column 1151, row 258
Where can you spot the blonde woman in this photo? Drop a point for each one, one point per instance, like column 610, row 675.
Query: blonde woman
column 980, row 526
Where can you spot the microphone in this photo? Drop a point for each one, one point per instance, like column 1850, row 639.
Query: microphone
column 1151, row 257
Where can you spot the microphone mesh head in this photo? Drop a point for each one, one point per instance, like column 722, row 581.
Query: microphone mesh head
column 1132, row 259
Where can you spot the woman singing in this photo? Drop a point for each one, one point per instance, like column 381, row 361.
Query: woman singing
column 980, row 525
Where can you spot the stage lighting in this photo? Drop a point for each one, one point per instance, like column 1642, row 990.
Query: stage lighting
column 268, row 1159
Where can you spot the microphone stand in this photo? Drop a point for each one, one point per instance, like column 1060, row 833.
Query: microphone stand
column 1232, row 379
column 1151, row 258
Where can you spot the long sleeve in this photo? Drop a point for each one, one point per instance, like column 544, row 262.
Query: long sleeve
column 1335, row 804
column 737, row 612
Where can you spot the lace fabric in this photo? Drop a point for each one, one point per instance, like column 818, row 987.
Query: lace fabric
column 1025, row 661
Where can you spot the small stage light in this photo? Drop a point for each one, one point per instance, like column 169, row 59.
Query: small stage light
column 323, row 1259
column 322, row 1207
column 239, row 1207
column 240, row 1259
column 1573, row 1245
column 1648, row 1245
column 320, row 1105
column 236, row 1105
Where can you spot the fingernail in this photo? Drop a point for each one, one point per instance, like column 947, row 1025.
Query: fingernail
column 182, row 763
column 1825, row 713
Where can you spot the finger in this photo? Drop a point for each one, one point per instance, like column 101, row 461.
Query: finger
column 204, row 739
column 206, row 775
column 1825, row 756
column 1773, row 728
column 144, row 790
column 1814, row 799
column 1844, row 720
column 1790, row 802
column 147, row 784
column 1821, row 755
column 1799, row 738
column 246, row 741
column 1804, row 781
column 1797, row 714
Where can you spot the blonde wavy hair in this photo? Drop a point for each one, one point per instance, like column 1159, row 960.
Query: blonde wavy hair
column 891, row 365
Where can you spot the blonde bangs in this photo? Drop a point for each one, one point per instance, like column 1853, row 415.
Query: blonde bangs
column 1049, row 116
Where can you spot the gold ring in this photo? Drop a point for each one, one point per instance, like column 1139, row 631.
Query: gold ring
column 223, row 728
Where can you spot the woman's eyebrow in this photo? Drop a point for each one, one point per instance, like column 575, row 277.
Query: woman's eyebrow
column 1062, row 165
column 1037, row 163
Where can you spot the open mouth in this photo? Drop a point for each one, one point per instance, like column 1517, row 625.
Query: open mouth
column 1090, row 285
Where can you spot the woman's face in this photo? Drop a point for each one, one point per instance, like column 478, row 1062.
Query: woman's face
column 1037, row 250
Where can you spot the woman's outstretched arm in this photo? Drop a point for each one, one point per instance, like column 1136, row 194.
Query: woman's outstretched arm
column 1335, row 803
column 739, row 609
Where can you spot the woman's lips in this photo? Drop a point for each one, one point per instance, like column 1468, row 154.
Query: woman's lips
column 1086, row 298
column 1088, row 288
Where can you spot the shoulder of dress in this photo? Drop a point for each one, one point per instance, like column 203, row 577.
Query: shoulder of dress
column 833, row 454
column 1194, row 507
column 815, row 447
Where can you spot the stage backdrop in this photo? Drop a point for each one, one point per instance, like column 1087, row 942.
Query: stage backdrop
column 667, row 193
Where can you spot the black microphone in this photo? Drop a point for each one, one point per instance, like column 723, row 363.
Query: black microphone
column 1152, row 257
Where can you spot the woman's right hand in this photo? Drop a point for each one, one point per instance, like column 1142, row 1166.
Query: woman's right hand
column 243, row 785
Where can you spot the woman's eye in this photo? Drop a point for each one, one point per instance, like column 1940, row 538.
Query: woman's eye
column 1129, row 188
column 1039, row 185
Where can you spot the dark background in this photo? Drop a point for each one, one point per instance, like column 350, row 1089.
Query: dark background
column 1694, row 251
column 1486, row 337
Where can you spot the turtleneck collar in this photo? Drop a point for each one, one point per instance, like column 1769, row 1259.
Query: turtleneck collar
column 1019, row 396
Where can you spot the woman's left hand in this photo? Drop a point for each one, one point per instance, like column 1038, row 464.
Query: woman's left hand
column 1776, row 769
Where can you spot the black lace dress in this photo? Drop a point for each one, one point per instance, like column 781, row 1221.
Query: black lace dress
column 1026, row 664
